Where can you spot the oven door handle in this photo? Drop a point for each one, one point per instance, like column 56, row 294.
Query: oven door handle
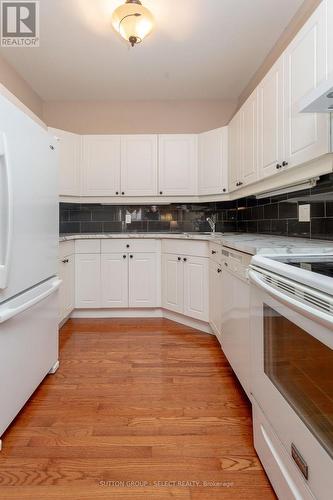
column 304, row 309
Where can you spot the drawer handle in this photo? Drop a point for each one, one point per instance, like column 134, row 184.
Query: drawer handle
column 65, row 261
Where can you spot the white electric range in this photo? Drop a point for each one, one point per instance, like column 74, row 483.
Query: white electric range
column 292, row 379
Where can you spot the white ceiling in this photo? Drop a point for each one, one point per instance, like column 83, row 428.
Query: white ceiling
column 200, row 49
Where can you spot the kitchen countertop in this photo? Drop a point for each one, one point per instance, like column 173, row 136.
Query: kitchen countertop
column 244, row 242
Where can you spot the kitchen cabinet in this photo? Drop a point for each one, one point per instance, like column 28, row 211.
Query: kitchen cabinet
column 101, row 164
column 235, row 152
column 271, row 120
column 178, row 164
column 130, row 273
column 88, row 280
column 69, row 146
column 249, row 140
column 185, row 285
column 67, row 275
column 139, row 165
column 213, row 162
column 306, row 134
column 114, row 280
column 143, row 280
column 173, row 283
column 215, row 296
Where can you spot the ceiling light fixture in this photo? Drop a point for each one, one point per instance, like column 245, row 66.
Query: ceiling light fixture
column 133, row 21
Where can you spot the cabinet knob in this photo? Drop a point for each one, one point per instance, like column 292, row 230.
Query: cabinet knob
column 122, row 193
column 240, row 184
column 161, row 192
column 213, row 252
column 124, row 256
column 131, row 256
column 226, row 264
column 284, row 163
column 117, row 192
column 278, row 166
column 224, row 190
column 179, row 258
column 127, row 246
column 185, row 259
column 65, row 261
column 51, row 147
column 219, row 271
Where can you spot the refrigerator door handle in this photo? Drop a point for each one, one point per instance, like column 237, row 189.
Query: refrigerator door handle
column 10, row 312
column 6, row 213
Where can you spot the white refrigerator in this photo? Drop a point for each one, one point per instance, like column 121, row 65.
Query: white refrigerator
column 28, row 258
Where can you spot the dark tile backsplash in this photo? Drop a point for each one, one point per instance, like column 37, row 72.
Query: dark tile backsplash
column 274, row 215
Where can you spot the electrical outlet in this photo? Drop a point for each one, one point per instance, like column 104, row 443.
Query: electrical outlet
column 128, row 219
column 304, row 213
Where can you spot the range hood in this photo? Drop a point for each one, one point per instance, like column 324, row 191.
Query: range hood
column 319, row 100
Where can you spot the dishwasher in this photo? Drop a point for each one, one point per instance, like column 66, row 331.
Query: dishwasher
column 235, row 304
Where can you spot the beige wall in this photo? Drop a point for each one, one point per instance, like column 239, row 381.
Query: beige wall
column 20, row 88
column 301, row 16
column 132, row 117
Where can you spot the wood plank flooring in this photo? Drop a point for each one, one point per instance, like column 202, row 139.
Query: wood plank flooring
column 139, row 409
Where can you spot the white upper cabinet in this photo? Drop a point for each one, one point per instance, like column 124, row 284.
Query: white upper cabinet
column 307, row 135
column 235, row 152
column 249, row 140
column 178, row 159
column 139, row 165
column 69, row 162
column 213, row 162
column 270, row 120
column 101, row 162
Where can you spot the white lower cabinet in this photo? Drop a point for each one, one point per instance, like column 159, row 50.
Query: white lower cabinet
column 88, row 281
column 185, row 285
column 215, row 299
column 114, row 270
column 143, row 280
column 130, row 280
column 67, row 288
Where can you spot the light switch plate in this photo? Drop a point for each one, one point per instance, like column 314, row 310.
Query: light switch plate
column 304, row 214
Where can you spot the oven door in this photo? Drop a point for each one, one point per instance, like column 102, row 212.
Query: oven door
column 292, row 374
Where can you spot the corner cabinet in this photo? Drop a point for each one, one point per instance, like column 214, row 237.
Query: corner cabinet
column 213, row 162
column 178, row 160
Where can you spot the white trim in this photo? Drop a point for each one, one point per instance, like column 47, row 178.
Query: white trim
column 141, row 313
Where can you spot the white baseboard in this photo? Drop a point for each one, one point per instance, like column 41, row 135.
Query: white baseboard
column 142, row 313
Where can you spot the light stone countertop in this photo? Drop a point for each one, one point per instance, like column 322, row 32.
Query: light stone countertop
column 244, row 242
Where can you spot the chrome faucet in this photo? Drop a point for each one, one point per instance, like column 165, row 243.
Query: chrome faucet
column 212, row 223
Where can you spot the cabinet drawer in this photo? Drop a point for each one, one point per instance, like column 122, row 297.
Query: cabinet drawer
column 88, row 246
column 66, row 248
column 130, row 245
column 182, row 247
column 215, row 252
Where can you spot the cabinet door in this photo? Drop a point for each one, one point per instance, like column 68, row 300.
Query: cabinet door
column 67, row 288
column 215, row 273
column 307, row 134
column 88, row 281
column 249, row 138
column 143, row 280
column 101, row 165
column 271, row 120
column 114, row 276
column 196, row 289
column 213, row 161
column 234, row 152
column 139, row 165
column 172, row 283
column 69, row 162
column 178, row 164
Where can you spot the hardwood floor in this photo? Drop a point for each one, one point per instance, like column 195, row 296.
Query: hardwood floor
column 134, row 400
